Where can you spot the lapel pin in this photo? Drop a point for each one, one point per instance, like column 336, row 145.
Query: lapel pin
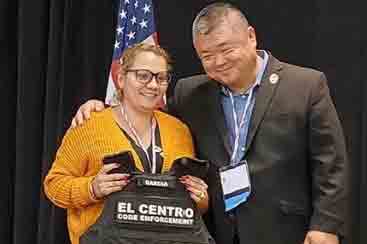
column 273, row 78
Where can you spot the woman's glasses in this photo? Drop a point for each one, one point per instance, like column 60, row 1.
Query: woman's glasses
column 145, row 76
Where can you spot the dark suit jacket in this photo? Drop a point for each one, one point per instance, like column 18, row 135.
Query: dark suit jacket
column 295, row 151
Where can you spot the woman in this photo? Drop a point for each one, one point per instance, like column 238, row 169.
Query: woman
column 78, row 180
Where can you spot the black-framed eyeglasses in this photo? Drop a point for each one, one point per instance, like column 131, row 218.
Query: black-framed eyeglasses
column 145, row 76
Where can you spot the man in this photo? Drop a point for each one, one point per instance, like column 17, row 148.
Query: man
column 270, row 129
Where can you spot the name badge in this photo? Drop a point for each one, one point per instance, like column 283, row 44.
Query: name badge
column 236, row 185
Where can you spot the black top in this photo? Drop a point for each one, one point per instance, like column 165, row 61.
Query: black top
column 141, row 154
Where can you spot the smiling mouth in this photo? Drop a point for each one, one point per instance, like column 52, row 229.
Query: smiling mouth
column 223, row 70
column 149, row 94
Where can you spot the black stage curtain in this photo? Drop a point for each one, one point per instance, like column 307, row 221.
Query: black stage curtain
column 56, row 55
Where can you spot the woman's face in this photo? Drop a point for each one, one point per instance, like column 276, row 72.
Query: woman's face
column 140, row 89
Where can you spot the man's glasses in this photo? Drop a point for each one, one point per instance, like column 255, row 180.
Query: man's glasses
column 145, row 76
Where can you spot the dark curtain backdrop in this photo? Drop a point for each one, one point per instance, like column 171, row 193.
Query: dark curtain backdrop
column 56, row 55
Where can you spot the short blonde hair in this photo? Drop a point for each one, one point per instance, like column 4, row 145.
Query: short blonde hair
column 129, row 55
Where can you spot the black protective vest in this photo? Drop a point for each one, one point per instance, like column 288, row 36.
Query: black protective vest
column 152, row 208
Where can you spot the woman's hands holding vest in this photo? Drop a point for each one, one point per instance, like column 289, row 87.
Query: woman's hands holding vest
column 198, row 191
column 104, row 184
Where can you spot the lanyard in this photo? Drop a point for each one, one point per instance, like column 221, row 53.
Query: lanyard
column 153, row 162
column 237, row 126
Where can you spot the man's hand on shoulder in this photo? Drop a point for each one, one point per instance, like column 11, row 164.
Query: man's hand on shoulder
column 318, row 237
column 85, row 110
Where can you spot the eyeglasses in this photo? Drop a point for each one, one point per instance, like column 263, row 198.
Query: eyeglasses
column 145, row 76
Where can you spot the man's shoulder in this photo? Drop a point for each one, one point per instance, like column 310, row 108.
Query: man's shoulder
column 302, row 69
column 194, row 85
column 195, row 78
column 291, row 70
column 299, row 83
column 193, row 82
column 301, row 73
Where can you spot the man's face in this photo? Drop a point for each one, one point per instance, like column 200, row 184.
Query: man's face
column 228, row 53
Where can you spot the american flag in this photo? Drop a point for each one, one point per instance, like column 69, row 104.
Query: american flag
column 135, row 24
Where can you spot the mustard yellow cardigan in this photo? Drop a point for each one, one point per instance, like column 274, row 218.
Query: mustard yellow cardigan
column 79, row 158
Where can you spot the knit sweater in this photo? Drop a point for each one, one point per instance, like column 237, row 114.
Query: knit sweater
column 79, row 158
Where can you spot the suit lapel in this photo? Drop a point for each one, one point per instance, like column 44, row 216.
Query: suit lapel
column 214, row 104
column 264, row 96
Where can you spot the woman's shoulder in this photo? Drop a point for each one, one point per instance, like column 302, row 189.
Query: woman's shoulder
column 97, row 120
column 106, row 112
column 100, row 116
column 165, row 117
column 170, row 121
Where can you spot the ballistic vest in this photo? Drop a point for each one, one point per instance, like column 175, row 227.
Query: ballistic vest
column 152, row 209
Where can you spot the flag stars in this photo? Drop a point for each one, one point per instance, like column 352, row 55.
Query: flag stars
column 136, row 4
column 131, row 35
column 123, row 14
column 133, row 20
column 127, row 1
column 119, row 30
column 143, row 24
column 146, row 8
column 117, row 45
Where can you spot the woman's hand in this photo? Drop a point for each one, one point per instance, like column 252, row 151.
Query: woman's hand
column 198, row 191
column 104, row 184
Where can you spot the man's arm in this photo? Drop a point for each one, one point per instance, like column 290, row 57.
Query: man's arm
column 328, row 158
